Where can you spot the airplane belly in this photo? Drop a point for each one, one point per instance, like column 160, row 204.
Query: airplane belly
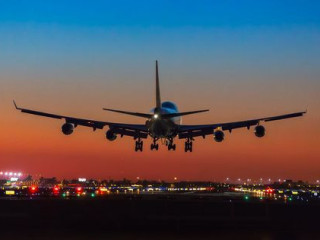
column 160, row 129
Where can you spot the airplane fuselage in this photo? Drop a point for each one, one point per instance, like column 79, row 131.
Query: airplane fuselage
column 164, row 128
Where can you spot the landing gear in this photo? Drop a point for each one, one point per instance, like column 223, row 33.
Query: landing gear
column 171, row 145
column 139, row 145
column 188, row 145
column 154, row 145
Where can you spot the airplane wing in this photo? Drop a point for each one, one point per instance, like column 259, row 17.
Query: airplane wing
column 133, row 130
column 189, row 131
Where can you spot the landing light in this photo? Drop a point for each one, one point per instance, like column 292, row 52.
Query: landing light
column 155, row 116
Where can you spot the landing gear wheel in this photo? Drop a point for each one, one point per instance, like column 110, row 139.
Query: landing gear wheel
column 139, row 146
column 154, row 145
column 171, row 145
column 188, row 146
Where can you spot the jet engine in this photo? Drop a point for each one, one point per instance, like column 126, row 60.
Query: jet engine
column 67, row 128
column 259, row 131
column 110, row 135
column 218, row 136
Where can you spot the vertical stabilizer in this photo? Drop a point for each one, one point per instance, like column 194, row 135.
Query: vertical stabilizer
column 158, row 99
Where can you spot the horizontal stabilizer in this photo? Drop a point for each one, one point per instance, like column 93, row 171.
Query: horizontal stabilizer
column 172, row 115
column 144, row 115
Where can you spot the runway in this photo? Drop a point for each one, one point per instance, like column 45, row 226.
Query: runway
column 133, row 216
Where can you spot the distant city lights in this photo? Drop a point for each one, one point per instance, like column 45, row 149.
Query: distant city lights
column 10, row 174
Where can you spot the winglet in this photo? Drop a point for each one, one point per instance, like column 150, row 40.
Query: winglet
column 15, row 105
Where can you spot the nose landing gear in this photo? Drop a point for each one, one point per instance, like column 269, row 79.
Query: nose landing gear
column 188, row 145
column 154, row 145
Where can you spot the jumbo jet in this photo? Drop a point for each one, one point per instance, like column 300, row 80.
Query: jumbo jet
column 163, row 122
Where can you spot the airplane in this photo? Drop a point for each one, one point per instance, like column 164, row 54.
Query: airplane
column 162, row 123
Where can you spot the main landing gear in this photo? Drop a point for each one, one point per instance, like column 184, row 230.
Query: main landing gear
column 171, row 145
column 188, row 145
column 139, row 145
column 154, row 145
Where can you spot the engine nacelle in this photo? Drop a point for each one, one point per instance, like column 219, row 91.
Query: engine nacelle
column 110, row 135
column 259, row 131
column 218, row 136
column 67, row 128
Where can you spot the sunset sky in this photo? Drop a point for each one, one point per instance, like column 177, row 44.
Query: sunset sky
column 240, row 60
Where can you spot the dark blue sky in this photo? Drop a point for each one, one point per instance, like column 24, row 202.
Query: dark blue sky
column 147, row 13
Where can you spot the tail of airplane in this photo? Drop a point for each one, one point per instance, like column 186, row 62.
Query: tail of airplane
column 158, row 105
column 158, row 98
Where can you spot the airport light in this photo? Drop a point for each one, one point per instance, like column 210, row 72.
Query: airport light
column 269, row 190
column 33, row 189
column 155, row 116
column 79, row 190
column 10, row 192
column 56, row 190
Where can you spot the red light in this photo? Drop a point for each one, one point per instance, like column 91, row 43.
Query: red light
column 79, row 189
column 33, row 189
column 56, row 189
column 269, row 190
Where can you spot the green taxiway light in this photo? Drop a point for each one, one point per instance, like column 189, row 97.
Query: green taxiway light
column 93, row 195
column 246, row 197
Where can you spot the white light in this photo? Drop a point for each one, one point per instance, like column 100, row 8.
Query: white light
column 5, row 173
column 15, row 174
column 1, row 173
column 82, row 179
column 10, row 173
column 13, row 179
column 19, row 174
column 155, row 116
